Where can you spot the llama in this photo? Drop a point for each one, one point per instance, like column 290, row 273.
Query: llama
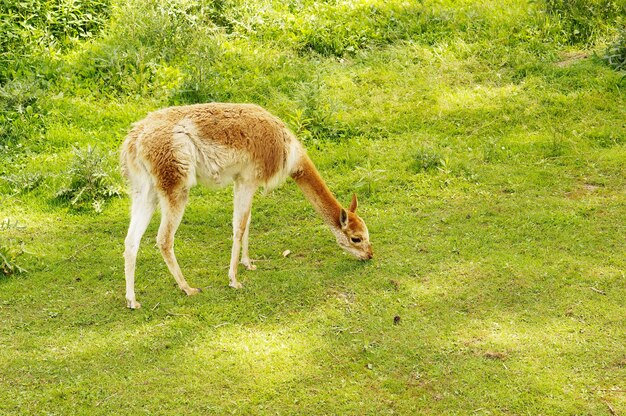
column 214, row 144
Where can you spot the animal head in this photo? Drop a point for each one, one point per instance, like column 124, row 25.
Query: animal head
column 353, row 236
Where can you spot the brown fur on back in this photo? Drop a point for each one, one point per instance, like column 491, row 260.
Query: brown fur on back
column 241, row 127
column 246, row 127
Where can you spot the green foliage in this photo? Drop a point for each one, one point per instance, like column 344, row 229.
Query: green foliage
column 23, row 181
column 116, row 69
column 31, row 27
column 21, row 116
column 426, row 160
column 132, row 56
column 615, row 55
column 583, row 21
column 90, row 184
column 315, row 117
column 342, row 27
column 361, row 24
column 10, row 250
column 218, row 69
column 369, row 179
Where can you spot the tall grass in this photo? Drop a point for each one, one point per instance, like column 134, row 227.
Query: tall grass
column 32, row 27
column 585, row 21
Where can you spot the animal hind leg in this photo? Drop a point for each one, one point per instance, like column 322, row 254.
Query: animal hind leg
column 172, row 210
column 142, row 208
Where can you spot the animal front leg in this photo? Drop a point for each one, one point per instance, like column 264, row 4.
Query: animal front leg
column 241, row 220
column 245, row 256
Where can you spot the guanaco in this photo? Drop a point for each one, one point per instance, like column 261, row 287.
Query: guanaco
column 214, row 144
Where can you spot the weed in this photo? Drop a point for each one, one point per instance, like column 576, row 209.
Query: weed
column 21, row 116
column 615, row 54
column 426, row 160
column 224, row 69
column 369, row 178
column 23, row 181
column 111, row 69
column 10, row 250
column 315, row 119
column 90, row 183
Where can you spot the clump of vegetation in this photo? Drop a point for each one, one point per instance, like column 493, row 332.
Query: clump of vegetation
column 90, row 183
column 23, row 181
column 20, row 113
column 31, row 26
column 341, row 28
column 315, row 118
column 615, row 55
column 10, row 251
column 369, row 179
column 426, row 160
column 132, row 55
column 583, row 21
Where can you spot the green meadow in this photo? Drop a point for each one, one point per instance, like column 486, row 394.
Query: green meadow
column 486, row 141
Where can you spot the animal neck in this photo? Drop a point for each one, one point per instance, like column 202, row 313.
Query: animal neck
column 315, row 190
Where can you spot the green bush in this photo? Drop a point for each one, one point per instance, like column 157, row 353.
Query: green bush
column 144, row 41
column 583, row 21
column 30, row 27
column 218, row 68
column 129, row 59
column 115, row 69
column 90, row 184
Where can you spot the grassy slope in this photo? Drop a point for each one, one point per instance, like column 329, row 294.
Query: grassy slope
column 491, row 179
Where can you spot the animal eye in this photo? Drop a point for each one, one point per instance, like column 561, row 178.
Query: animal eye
column 355, row 240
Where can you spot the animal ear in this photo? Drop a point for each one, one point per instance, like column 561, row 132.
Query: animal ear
column 343, row 218
column 354, row 204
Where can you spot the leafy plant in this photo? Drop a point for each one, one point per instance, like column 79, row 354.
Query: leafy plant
column 369, row 178
column 316, row 119
column 426, row 160
column 20, row 113
column 23, row 182
column 10, row 251
column 90, row 184
column 615, row 55
column 29, row 27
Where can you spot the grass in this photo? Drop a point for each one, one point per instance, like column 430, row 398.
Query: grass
column 487, row 148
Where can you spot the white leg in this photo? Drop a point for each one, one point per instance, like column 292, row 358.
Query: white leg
column 245, row 256
column 172, row 209
column 143, row 204
column 241, row 219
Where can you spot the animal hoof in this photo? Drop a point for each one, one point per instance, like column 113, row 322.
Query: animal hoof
column 193, row 291
column 235, row 285
column 132, row 304
column 248, row 264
